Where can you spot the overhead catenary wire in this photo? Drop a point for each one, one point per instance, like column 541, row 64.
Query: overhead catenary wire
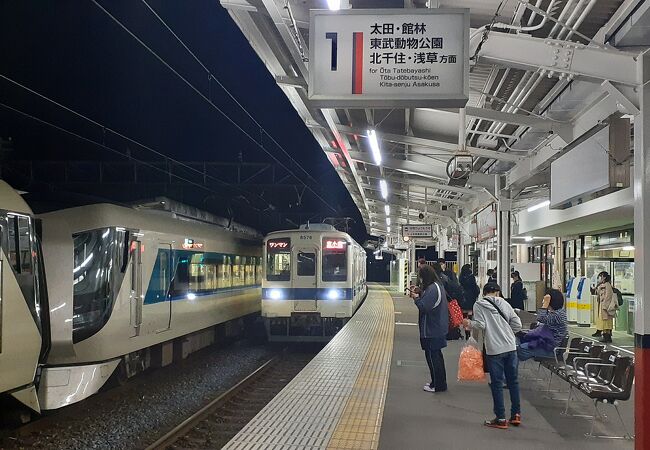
column 111, row 149
column 105, row 129
column 214, row 106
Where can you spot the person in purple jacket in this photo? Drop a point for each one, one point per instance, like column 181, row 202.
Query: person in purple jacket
column 553, row 315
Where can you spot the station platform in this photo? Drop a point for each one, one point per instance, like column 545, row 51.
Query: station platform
column 364, row 391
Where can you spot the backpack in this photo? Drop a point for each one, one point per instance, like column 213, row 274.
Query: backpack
column 524, row 292
column 619, row 296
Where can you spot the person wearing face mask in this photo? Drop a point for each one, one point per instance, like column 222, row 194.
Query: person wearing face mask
column 607, row 305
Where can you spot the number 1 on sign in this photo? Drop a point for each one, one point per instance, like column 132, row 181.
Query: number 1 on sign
column 334, row 37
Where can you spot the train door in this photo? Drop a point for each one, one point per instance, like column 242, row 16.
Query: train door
column 304, row 282
column 136, row 298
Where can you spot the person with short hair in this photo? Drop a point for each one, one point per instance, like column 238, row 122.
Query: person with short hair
column 433, row 321
column 471, row 291
column 499, row 323
column 553, row 315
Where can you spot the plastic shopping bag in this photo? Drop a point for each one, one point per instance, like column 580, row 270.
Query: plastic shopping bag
column 470, row 363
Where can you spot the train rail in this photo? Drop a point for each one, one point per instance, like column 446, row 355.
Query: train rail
column 219, row 421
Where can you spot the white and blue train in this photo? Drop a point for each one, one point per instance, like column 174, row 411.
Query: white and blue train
column 314, row 280
column 127, row 289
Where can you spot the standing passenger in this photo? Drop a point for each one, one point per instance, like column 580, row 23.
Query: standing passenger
column 433, row 321
column 499, row 323
column 471, row 292
column 517, row 293
column 607, row 305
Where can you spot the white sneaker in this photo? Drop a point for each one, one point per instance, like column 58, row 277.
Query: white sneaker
column 428, row 388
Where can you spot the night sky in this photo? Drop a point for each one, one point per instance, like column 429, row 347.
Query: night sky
column 75, row 54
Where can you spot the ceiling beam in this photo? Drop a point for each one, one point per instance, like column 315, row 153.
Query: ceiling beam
column 558, row 57
column 418, row 196
column 431, row 143
column 418, row 181
column 402, row 165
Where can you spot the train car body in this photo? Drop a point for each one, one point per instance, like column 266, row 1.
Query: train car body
column 130, row 289
column 314, row 280
column 22, row 300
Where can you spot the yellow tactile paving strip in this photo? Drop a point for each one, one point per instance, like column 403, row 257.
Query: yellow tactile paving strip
column 360, row 423
column 337, row 400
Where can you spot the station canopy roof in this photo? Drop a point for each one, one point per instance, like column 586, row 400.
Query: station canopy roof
column 523, row 107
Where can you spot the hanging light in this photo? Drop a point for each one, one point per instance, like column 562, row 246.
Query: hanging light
column 387, row 210
column 374, row 147
column 384, row 189
column 387, row 229
column 334, row 5
column 387, row 220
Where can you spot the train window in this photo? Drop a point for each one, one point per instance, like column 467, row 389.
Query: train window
column 181, row 281
column 25, row 245
column 278, row 259
column 258, row 271
column 14, row 252
column 224, row 272
column 306, row 264
column 335, row 267
column 95, row 285
column 236, row 272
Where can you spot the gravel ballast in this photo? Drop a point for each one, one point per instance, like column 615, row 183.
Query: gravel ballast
column 148, row 405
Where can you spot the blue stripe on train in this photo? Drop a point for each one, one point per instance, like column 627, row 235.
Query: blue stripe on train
column 306, row 293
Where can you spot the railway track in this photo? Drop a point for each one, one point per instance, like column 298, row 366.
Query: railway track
column 220, row 420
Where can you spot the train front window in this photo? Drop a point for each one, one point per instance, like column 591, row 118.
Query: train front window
column 96, row 256
column 306, row 264
column 278, row 259
column 335, row 259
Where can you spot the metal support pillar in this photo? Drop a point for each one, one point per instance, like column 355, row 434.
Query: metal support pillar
column 503, row 238
column 642, row 248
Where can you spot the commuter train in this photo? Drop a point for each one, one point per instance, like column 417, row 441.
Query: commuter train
column 314, row 280
column 126, row 289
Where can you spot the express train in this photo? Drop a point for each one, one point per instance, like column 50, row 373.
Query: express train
column 314, row 280
column 126, row 290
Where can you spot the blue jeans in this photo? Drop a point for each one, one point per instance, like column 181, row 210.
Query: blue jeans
column 500, row 366
column 524, row 353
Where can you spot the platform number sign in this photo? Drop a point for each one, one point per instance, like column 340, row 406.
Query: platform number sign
column 387, row 58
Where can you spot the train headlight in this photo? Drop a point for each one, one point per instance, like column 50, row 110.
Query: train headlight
column 191, row 296
column 275, row 294
column 333, row 294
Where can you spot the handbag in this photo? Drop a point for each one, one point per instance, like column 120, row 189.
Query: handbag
column 455, row 314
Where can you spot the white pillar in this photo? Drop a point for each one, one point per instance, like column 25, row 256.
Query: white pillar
column 503, row 238
column 641, row 269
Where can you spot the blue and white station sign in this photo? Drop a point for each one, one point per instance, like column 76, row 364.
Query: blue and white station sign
column 389, row 58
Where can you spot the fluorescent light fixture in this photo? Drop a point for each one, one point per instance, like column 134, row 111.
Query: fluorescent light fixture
column 334, row 5
column 387, row 209
column 384, row 188
column 528, row 238
column 387, row 229
column 374, row 147
column 539, row 205
column 387, row 220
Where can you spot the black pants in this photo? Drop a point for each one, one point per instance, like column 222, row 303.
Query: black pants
column 436, row 364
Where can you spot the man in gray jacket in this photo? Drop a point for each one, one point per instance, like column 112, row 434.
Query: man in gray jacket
column 499, row 323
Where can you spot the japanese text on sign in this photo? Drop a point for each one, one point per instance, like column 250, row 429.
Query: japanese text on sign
column 415, row 231
column 381, row 56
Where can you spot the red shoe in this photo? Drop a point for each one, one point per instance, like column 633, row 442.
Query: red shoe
column 515, row 420
column 497, row 423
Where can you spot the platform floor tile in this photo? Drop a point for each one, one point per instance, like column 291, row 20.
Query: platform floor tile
column 337, row 400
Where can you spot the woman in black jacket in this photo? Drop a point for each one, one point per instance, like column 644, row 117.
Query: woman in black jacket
column 517, row 293
column 471, row 290
column 433, row 321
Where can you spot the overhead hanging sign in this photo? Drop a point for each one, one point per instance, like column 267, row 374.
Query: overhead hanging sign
column 417, row 231
column 389, row 58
